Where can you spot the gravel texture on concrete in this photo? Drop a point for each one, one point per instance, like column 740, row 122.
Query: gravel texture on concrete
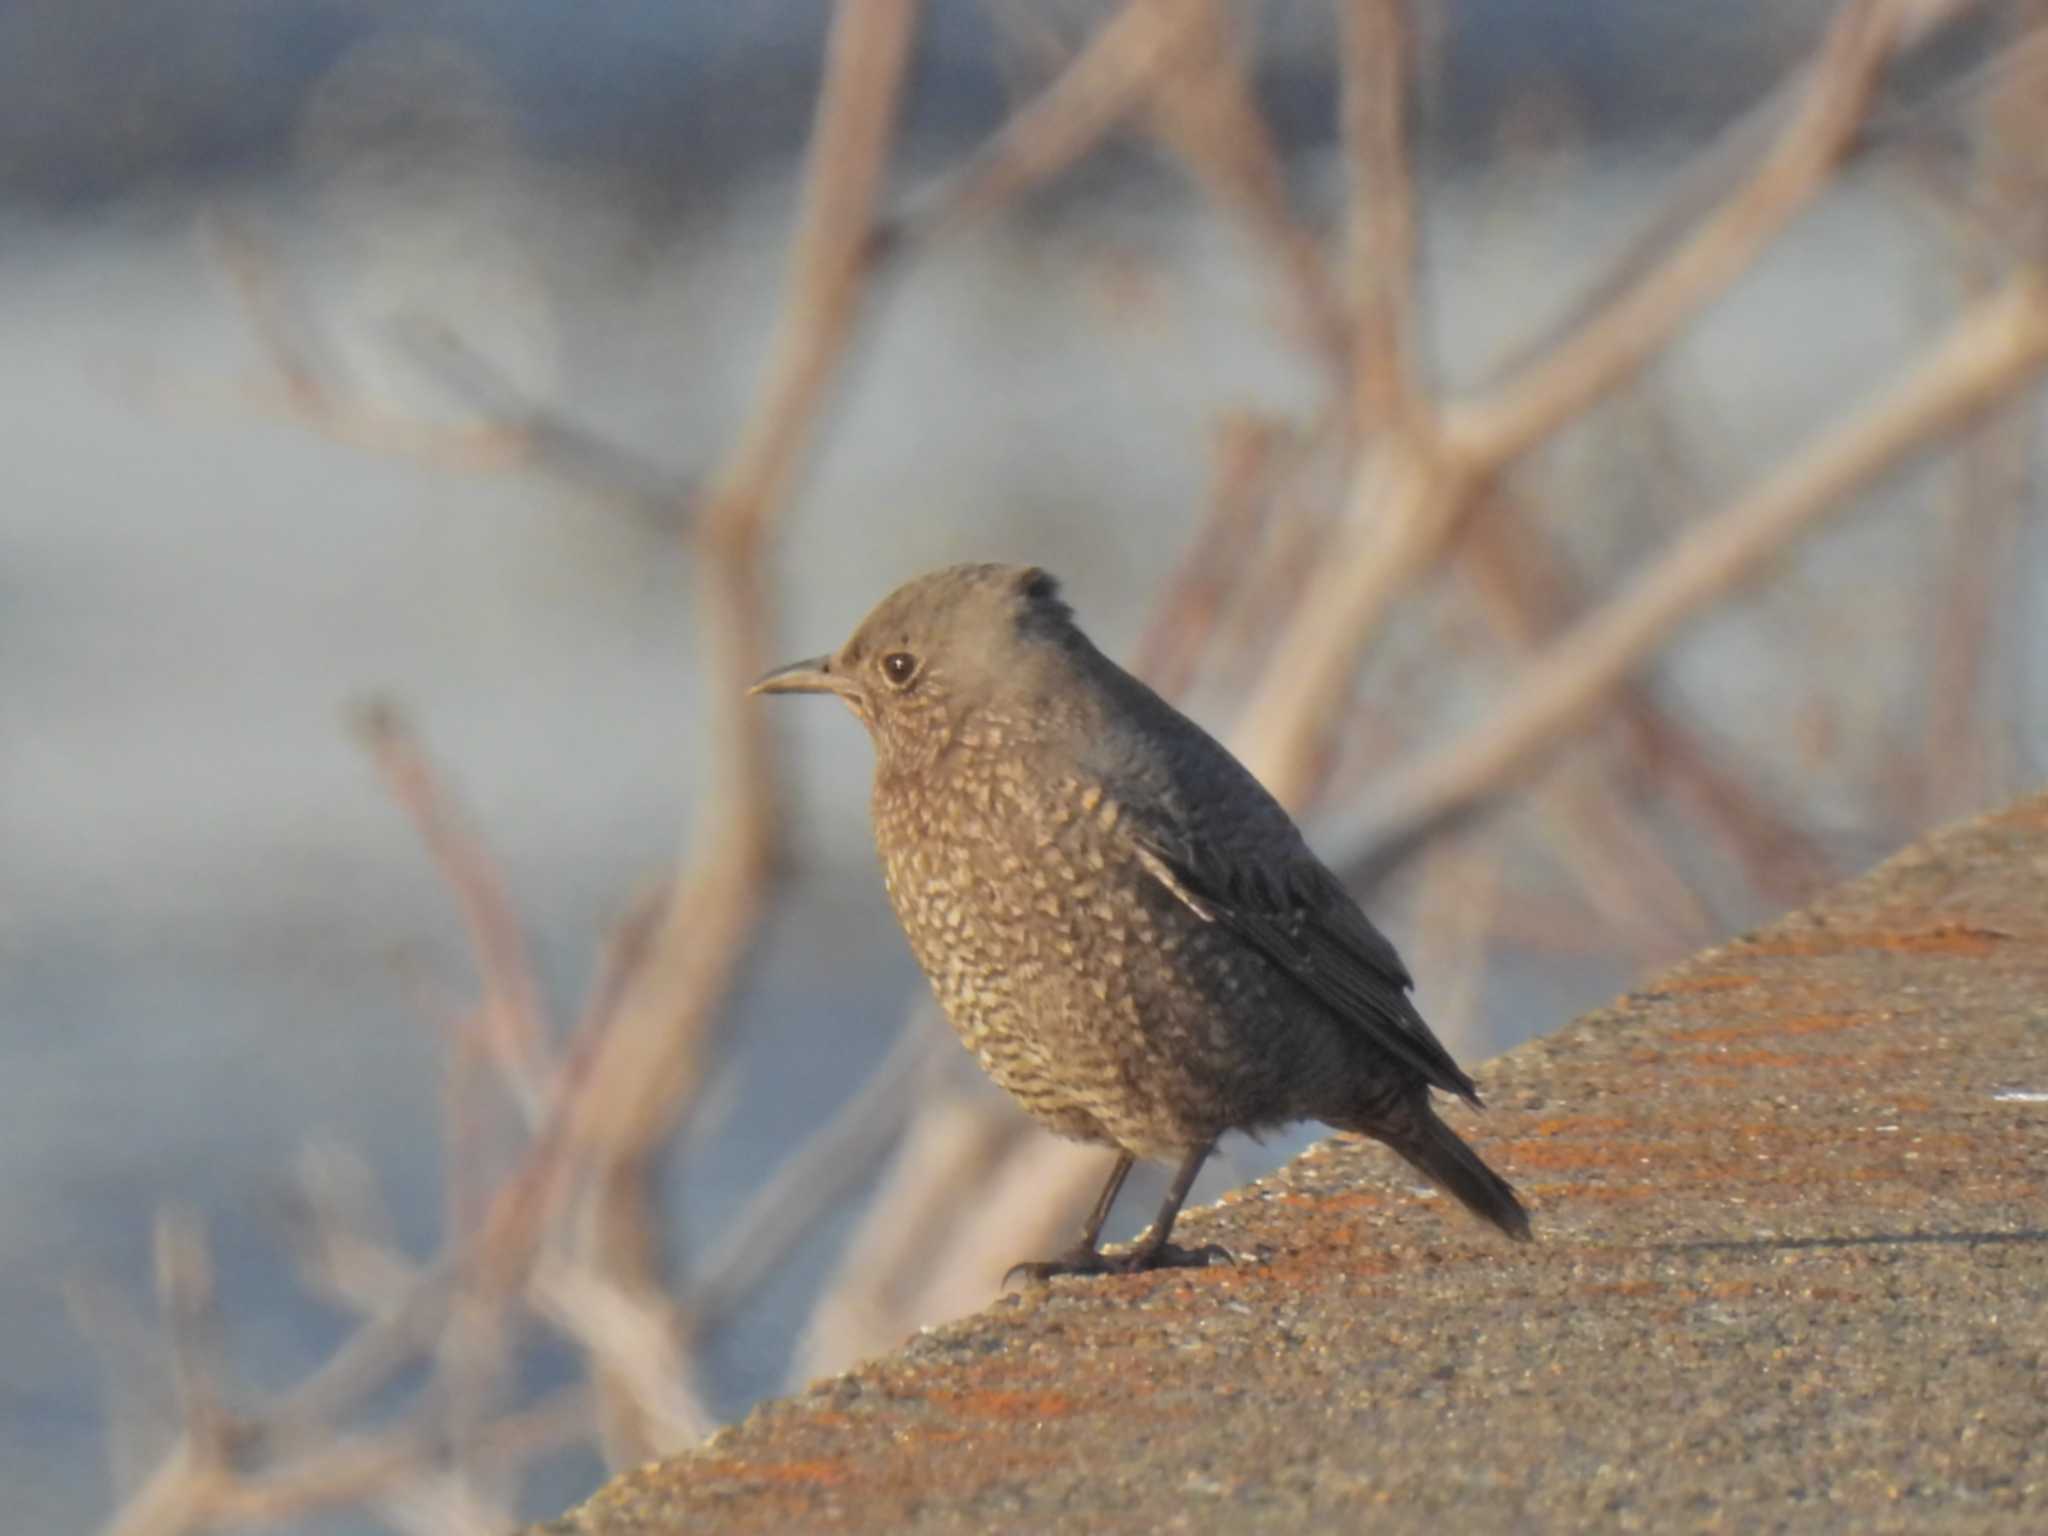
column 1791, row 1273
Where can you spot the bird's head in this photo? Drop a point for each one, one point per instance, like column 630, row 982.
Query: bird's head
column 937, row 650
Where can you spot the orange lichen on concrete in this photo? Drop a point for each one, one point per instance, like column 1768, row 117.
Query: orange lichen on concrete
column 1787, row 1060
column 1561, row 1156
column 1708, row 982
column 991, row 1403
column 1949, row 938
column 827, row 1473
column 1766, row 1028
column 1580, row 1125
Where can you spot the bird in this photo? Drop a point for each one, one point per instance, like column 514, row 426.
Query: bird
column 1128, row 931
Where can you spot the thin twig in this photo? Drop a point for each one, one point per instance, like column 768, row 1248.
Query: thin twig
column 514, row 1018
column 1375, row 47
column 1191, row 605
column 1204, row 109
column 1412, row 493
column 636, row 1347
column 342, row 1237
column 141, row 1400
column 911, row 1232
column 1618, row 860
column 1961, row 746
column 655, row 1057
column 1995, row 347
column 184, row 1284
column 276, row 321
column 1031, row 1203
column 1103, row 83
column 550, row 440
column 1630, row 328
column 1455, row 914
column 820, row 1173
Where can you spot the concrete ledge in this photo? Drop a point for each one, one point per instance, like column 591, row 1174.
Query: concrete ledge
column 1791, row 1272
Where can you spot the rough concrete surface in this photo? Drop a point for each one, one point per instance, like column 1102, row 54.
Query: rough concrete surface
column 1791, row 1273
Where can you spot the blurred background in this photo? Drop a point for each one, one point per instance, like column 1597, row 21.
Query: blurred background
column 1584, row 456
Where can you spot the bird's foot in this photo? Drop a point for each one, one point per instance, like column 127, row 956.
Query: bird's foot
column 1131, row 1261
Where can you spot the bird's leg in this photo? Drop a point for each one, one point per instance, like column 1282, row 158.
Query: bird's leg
column 1084, row 1258
column 1152, row 1250
column 1091, row 1233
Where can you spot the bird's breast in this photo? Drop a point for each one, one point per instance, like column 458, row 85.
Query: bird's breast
column 1006, row 885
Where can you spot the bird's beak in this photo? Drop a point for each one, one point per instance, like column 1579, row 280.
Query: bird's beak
column 812, row 676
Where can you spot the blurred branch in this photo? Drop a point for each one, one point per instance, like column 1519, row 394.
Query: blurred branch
column 408, row 1305
column 1413, row 490
column 1243, row 448
column 1709, row 179
column 184, row 1284
column 1965, row 753
column 1102, row 84
column 1624, row 333
column 515, row 1031
column 1596, row 832
column 1455, row 913
column 451, row 1307
column 141, row 1407
column 1996, row 346
column 1178, row 60
column 654, row 1057
column 1375, row 48
column 1526, row 584
column 638, row 1355
column 1029, row 1202
column 910, row 1231
column 274, row 318
column 1204, row 109
column 307, row 391
column 343, row 1243
column 821, row 1172
column 548, row 439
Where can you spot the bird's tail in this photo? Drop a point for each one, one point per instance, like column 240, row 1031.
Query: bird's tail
column 1435, row 1151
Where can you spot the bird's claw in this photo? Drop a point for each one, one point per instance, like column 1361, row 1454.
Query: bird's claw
column 1132, row 1261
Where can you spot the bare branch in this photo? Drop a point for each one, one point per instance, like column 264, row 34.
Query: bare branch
column 942, row 1172
column 141, row 1400
column 1618, row 860
column 817, row 1175
column 177, row 1497
column 184, row 1284
column 1404, row 506
column 1411, row 493
column 1031, row 1204
column 1637, row 323
column 274, row 317
column 634, row 1340
column 1204, row 109
column 1455, row 912
column 1997, row 346
column 1085, row 102
column 1375, row 49
column 343, row 1243
column 1965, row 753
column 654, row 1058
column 515, row 1031
column 1243, row 447
column 549, row 440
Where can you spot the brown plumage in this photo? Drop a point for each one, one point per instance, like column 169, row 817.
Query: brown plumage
column 1121, row 923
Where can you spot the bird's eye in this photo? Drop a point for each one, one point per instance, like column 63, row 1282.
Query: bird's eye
column 899, row 667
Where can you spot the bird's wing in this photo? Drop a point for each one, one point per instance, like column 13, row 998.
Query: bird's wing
column 1300, row 917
